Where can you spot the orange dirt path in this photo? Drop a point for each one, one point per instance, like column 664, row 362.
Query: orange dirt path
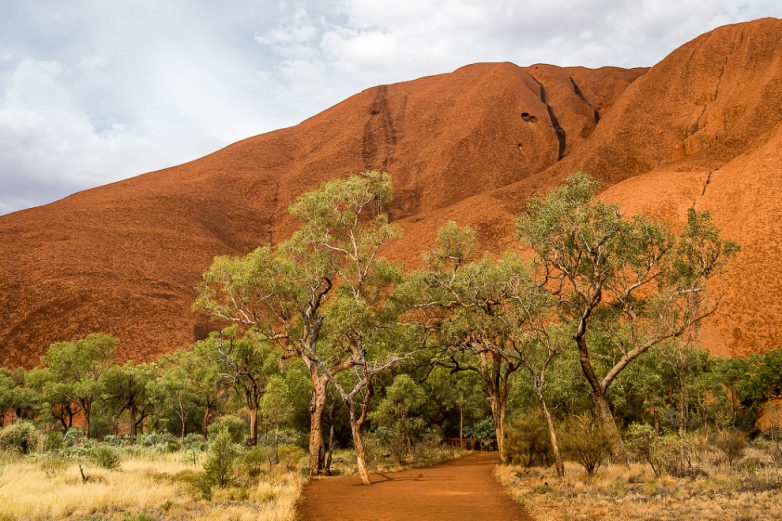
column 462, row 489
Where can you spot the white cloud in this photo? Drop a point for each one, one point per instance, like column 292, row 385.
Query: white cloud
column 93, row 92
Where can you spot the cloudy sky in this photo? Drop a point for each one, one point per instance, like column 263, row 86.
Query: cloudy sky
column 92, row 91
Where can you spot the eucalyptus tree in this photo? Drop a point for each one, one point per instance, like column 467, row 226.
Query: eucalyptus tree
column 281, row 291
column 130, row 388
column 188, row 385
column 243, row 362
column 70, row 375
column 15, row 396
column 632, row 278
column 347, row 219
column 475, row 310
column 542, row 345
column 8, row 394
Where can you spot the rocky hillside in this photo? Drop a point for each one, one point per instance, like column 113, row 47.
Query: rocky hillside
column 700, row 128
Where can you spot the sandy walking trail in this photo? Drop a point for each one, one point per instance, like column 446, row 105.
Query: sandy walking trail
column 463, row 489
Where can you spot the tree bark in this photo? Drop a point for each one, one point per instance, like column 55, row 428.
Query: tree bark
column 252, row 439
column 358, row 443
column 86, row 421
column 317, row 405
column 330, row 450
column 499, row 412
column 132, row 413
column 601, row 402
column 609, row 426
column 552, row 436
column 205, row 422
column 182, row 416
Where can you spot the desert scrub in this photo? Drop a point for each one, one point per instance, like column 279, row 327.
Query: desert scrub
column 634, row 493
column 105, row 457
column 220, row 459
column 155, row 485
column 584, row 441
column 731, row 443
column 21, row 436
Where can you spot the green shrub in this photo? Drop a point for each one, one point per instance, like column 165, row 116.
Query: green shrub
column 585, row 442
column 105, row 457
column 732, row 443
column 528, row 440
column 289, row 456
column 152, row 439
column 194, row 441
column 220, row 459
column 234, row 425
column 21, row 436
column 52, row 442
column 255, row 458
column 117, row 441
column 640, row 440
column 75, row 436
column 666, row 455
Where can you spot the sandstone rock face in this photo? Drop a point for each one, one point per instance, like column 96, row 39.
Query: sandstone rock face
column 700, row 128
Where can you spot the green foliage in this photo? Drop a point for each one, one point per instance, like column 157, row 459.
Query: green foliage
column 235, row 426
column 480, row 429
column 243, row 362
column 129, row 388
column 106, row 457
column 220, row 459
column 640, row 439
column 276, row 402
column 397, row 415
column 731, row 443
column 70, row 377
column 528, row 440
column 672, row 455
column 254, row 459
column 290, row 455
column 584, row 441
column 20, row 436
column 75, row 436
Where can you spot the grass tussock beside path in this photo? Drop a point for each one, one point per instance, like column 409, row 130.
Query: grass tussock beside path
column 633, row 493
column 160, row 487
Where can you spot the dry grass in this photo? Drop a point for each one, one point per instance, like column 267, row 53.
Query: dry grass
column 144, row 488
column 633, row 493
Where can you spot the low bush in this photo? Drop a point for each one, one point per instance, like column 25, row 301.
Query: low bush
column 585, row 442
column 75, row 436
column 105, row 457
column 254, row 459
column 233, row 424
column 222, row 454
column 528, row 441
column 731, row 443
column 152, row 439
column 21, row 436
column 289, row 456
column 194, row 441
column 52, row 442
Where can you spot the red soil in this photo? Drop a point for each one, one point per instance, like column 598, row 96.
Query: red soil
column 702, row 127
column 463, row 489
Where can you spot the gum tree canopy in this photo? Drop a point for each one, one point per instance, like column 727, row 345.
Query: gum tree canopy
column 623, row 284
column 320, row 295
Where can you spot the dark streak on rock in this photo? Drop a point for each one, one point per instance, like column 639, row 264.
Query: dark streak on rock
column 558, row 130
